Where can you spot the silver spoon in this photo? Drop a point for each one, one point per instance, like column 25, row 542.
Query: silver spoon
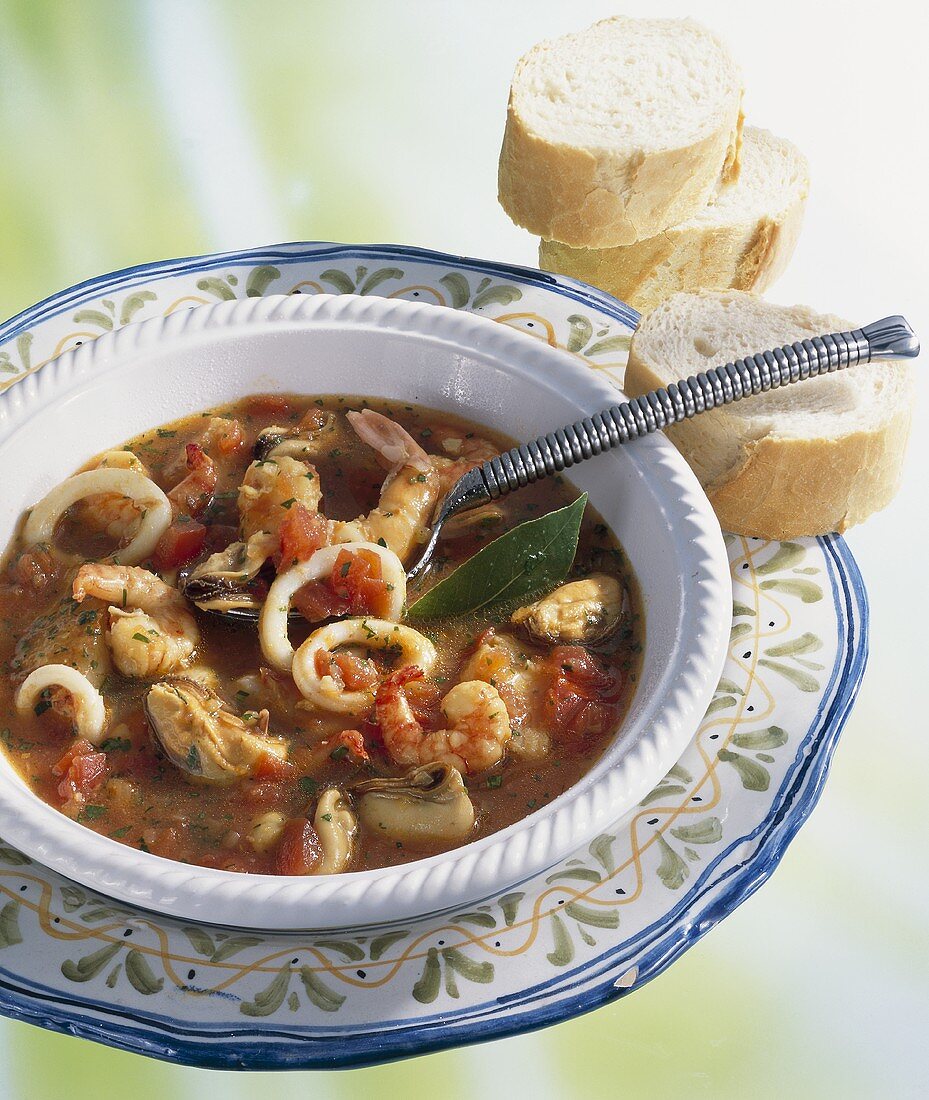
column 889, row 338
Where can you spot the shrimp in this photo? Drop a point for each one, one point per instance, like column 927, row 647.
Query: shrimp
column 151, row 631
column 192, row 494
column 112, row 513
column 476, row 735
column 408, row 495
column 466, row 454
column 499, row 660
column 270, row 488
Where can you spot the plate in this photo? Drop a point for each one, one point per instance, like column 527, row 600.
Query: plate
column 597, row 926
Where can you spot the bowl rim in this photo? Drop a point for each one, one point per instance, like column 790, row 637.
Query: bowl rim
column 481, row 867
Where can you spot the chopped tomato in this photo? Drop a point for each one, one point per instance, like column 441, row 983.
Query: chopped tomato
column 582, row 698
column 230, row 439
column 268, row 404
column 82, row 770
column 356, row 576
column 181, row 543
column 194, row 493
column 349, row 671
column 299, row 850
column 354, row 741
column 312, row 420
column 316, row 601
column 35, row 568
column 272, row 767
column 302, row 533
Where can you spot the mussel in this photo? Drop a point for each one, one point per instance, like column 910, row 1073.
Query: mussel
column 302, row 442
column 428, row 806
column 202, row 737
column 581, row 612
column 221, row 582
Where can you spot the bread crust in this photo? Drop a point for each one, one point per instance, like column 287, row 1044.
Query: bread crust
column 785, row 487
column 569, row 194
column 745, row 255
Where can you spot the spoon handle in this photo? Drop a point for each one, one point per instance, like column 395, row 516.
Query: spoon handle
column 890, row 338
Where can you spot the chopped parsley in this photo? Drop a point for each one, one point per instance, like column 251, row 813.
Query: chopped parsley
column 193, row 760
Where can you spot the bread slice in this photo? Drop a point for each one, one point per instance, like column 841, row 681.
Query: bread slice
column 805, row 459
column 620, row 131
column 743, row 239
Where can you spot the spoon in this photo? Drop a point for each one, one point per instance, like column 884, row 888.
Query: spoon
column 889, row 338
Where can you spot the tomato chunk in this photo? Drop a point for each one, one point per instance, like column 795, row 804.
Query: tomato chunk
column 582, row 699
column 230, row 439
column 194, row 493
column 356, row 576
column 299, row 850
column 346, row 669
column 268, row 404
column 316, row 601
column 82, row 770
column 181, row 543
column 354, row 741
column 302, row 533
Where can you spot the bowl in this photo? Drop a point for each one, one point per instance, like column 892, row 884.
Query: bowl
column 159, row 370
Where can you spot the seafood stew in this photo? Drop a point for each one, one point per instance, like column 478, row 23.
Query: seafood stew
column 331, row 734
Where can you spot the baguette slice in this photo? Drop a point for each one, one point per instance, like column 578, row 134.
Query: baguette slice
column 805, row 459
column 620, row 131
column 742, row 240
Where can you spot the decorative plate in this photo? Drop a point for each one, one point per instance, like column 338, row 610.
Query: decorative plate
column 597, row 926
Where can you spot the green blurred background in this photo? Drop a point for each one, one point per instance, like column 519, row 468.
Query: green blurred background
column 138, row 131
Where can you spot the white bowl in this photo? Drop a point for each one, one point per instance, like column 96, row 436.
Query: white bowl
column 145, row 374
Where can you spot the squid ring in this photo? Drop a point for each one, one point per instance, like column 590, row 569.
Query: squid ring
column 89, row 708
column 153, row 504
column 272, row 623
column 324, row 691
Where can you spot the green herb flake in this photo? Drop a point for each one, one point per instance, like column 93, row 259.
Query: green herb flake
column 141, row 638
column 339, row 752
column 91, row 813
column 288, row 503
column 495, row 781
column 116, row 744
column 308, row 785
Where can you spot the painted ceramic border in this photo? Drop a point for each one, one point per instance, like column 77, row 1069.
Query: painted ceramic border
column 448, row 993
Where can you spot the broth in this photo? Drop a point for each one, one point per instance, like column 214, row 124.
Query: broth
column 134, row 793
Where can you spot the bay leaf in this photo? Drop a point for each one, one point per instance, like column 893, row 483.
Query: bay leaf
column 526, row 562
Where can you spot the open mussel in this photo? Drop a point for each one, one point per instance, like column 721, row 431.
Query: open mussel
column 427, row 806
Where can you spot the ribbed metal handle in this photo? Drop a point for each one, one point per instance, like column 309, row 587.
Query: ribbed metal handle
column 889, row 338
